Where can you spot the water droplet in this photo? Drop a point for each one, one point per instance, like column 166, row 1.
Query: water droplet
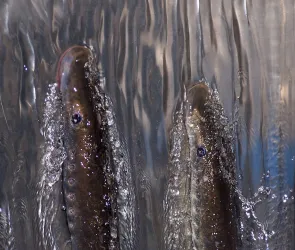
column 114, row 233
column 117, row 144
column 110, row 119
column 267, row 190
column 285, row 198
column 176, row 192
column 110, row 122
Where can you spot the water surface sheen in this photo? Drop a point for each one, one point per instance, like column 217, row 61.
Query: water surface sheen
column 147, row 50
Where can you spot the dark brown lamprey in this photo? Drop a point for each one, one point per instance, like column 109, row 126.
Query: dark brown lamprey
column 201, row 204
column 87, row 189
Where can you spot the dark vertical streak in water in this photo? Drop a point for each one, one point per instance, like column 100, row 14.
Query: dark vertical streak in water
column 121, row 48
column 165, row 85
column 200, row 48
column 148, row 15
column 185, row 25
column 212, row 29
column 238, row 48
column 179, row 46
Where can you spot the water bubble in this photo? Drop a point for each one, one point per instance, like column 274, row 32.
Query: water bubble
column 110, row 119
column 260, row 189
column 117, row 144
column 285, row 198
column 113, row 233
column 176, row 192
column 110, row 122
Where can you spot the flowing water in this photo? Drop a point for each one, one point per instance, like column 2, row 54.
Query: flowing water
column 147, row 51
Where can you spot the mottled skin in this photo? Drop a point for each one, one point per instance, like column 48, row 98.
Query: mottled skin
column 217, row 209
column 86, row 191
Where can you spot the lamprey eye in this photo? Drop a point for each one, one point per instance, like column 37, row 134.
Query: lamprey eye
column 76, row 118
column 201, row 151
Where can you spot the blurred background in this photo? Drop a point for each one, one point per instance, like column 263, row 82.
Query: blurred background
column 148, row 49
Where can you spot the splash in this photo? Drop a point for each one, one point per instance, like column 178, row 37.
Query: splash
column 123, row 172
column 53, row 156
